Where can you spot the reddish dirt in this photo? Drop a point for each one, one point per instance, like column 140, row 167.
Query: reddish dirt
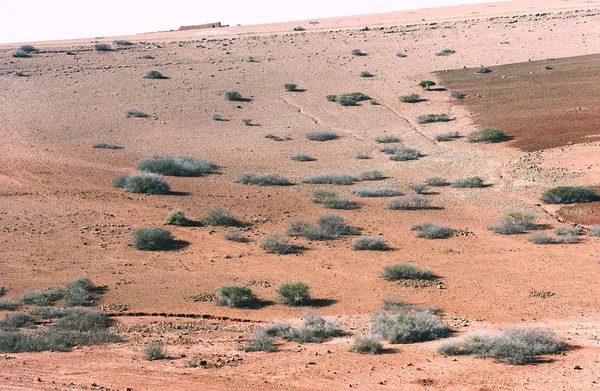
column 548, row 107
column 60, row 219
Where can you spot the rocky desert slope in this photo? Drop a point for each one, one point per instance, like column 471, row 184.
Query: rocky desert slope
column 61, row 219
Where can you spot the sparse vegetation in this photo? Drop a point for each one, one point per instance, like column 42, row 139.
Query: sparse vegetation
column 251, row 178
column 103, row 47
column 43, row 297
column 303, row 157
column 568, row 230
column 445, row 52
column 248, row 122
column 123, row 42
column 261, row 343
column 293, row 293
column 8, row 304
column 426, row 84
column 136, row 113
column 513, row 346
column 328, row 227
column 436, row 181
column 431, row 118
column 233, row 96
column 514, row 223
column 151, row 239
column 235, row 236
column 220, row 217
column 330, row 179
column 446, row 136
column 488, row 135
column 331, row 98
column 185, row 166
column 339, row 202
column 366, row 74
column 177, row 217
column 358, row 52
column 366, row 344
column 409, row 202
column 595, row 230
column 410, row 98
column 569, row 195
column 314, row 329
column 542, row 238
column 401, row 154
column 405, row 271
column 322, row 135
column 155, row 75
column 351, row 99
column 419, row 188
column 107, row 146
column 409, row 327
column 371, row 175
column 369, row 243
column 319, row 195
column 235, row 296
column 457, row 94
column 431, row 231
column 470, row 182
column 274, row 243
column 387, row 139
column 376, row 192
column 154, row 351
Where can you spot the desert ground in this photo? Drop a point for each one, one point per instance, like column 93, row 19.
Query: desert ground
column 61, row 219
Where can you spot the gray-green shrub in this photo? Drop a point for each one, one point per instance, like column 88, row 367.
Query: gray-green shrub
column 154, row 351
column 293, row 293
column 155, row 75
column 220, row 217
column 407, row 327
column 431, row 231
column 471, row 182
column 233, row 95
column 290, row 87
column 303, row 157
column 170, row 165
column 151, row 239
column 273, row 242
column 405, row 271
column 8, row 304
column 376, row 192
column 371, row 175
column 569, row 195
column 446, row 136
column 372, row 243
column 387, row 139
column 542, row 238
column 410, row 98
column 595, row 230
column 235, row 236
column 143, row 183
column 177, row 217
column 235, row 296
column 488, row 135
column 409, row 202
column 437, row 181
column 136, row 113
column 431, row 118
column 366, row 344
column 322, row 135
column 330, row 179
column 251, row 178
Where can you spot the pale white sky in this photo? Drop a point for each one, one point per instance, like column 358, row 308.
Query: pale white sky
column 38, row 20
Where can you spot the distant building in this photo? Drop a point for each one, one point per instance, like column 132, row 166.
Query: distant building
column 202, row 26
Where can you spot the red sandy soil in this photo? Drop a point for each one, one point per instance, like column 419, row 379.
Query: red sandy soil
column 60, row 219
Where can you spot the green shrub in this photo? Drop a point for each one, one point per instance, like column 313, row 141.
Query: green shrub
column 293, row 293
column 250, row 178
column 76, row 295
column 15, row 321
column 142, row 183
column 330, row 179
column 248, row 122
column 274, row 243
column 220, row 217
column 303, row 157
column 235, row 236
column 426, row 84
column 369, row 243
column 437, row 181
column 155, row 75
column 358, row 52
column 328, row 227
column 431, row 231
column 431, row 118
column 488, row 135
column 542, row 238
column 151, row 239
column 406, row 271
column 235, row 296
column 21, row 54
column 322, row 135
column 471, row 182
column 366, row 344
column 8, row 304
column 314, row 329
column 233, row 96
column 154, row 351
column 177, row 217
column 402, row 153
column 170, row 165
column 82, row 320
column 387, row 139
column 43, row 297
column 371, row 175
column 403, row 327
column 102, row 47
column 410, row 98
column 409, row 202
column 569, row 195
column 319, row 195
column 362, row 156
column 290, row 87
column 136, row 113
column 351, row 99
column 28, row 49
column 513, row 346
column 47, row 312
column 331, row 98
column 366, row 74
column 376, row 192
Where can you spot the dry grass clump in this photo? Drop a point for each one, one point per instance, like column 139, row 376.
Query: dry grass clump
column 154, row 351
column 251, row 178
column 409, row 202
column 274, row 243
column 303, row 157
column 387, row 139
column 446, row 136
column 437, row 181
column 406, row 271
column 376, row 192
column 185, row 166
column 542, row 238
column 330, row 179
column 366, row 344
column 402, row 153
column 409, row 327
column 371, row 175
column 431, row 231
column 235, row 236
column 471, row 182
column 594, row 230
column 371, row 243
column 514, row 223
column 513, row 346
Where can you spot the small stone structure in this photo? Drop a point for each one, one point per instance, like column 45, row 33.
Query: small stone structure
column 201, row 26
